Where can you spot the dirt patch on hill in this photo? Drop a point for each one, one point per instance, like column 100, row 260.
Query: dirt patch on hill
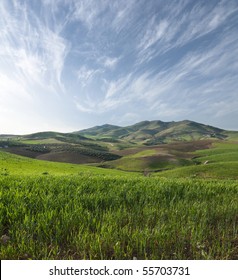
column 190, row 146
column 22, row 151
column 184, row 147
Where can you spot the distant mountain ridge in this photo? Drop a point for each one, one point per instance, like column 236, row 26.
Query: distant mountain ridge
column 144, row 146
column 144, row 132
column 154, row 132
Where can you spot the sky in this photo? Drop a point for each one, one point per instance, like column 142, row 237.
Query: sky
column 66, row 65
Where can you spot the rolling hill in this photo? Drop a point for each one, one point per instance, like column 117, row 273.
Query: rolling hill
column 155, row 132
column 164, row 190
column 147, row 146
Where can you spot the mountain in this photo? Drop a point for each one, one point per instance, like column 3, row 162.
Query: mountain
column 155, row 132
column 99, row 129
column 147, row 146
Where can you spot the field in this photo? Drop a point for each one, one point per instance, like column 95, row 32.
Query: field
column 66, row 211
column 153, row 190
column 11, row 164
column 218, row 162
column 158, row 158
column 108, row 217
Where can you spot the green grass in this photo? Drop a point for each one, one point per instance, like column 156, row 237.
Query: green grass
column 145, row 153
column 221, row 159
column 11, row 164
column 42, row 141
column 232, row 135
column 148, row 160
column 101, row 217
column 140, row 164
column 220, row 148
column 221, row 170
column 66, row 211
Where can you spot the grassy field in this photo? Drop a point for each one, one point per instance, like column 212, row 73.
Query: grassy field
column 11, row 164
column 106, row 217
column 65, row 211
column 210, row 171
column 218, row 162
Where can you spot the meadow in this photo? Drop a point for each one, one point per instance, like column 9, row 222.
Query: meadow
column 218, row 162
column 65, row 211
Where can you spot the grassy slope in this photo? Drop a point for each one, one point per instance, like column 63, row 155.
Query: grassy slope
column 11, row 164
column 146, row 163
column 159, row 157
column 154, row 132
column 180, row 158
column 229, row 170
column 98, row 217
column 222, row 162
column 92, row 213
column 66, row 147
column 42, row 141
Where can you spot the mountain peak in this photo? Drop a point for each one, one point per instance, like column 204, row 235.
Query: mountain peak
column 156, row 131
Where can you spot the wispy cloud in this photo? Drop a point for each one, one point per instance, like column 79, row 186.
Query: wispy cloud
column 86, row 75
column 197, row 78
column 148, row 59
column 32, row 59
column 33, row 52
column 110, row 62
column 182, row 24
column 88, row 12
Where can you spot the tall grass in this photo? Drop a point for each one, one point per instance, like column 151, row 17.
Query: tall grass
column 110, row 217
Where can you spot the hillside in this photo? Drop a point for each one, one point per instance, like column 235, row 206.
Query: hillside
column 181, row 203
column 155, row 132
column 59, row 147
column 145, row 147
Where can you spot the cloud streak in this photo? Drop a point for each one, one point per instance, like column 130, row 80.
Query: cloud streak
column 31, row 46
column 94, row 60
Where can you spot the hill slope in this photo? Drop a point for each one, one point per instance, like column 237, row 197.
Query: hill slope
column 148, row 146
column 155, row 132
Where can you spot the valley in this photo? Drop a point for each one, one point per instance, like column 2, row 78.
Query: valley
column 92, row 195
column 148, row 147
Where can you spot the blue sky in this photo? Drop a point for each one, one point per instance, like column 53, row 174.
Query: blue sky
column 66, row 65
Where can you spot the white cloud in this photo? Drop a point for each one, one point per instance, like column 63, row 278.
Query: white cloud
column 153, row 33
column 33, row 52
column 86, row 75
column 114, row 88
column 192, row 83
column 116, row 56
column 110, row 62
column 181, row 26
column 83, row 108
column 89, row 11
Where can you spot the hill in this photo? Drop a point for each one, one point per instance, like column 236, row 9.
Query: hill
column 147, row 146
column 55, row 210
column 155, row 132
column 59, row 147
column 99, row 130
column 219, row 161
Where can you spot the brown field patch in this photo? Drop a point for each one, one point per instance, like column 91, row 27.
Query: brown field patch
column 68, row 157
column 22, row 151
column 186, row 147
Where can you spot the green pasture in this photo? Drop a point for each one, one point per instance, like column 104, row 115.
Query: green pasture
column 54, row 210
column 218, row 162
column 221, row 170
column 219, row 148
column 106, row 217
column 11, row 164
